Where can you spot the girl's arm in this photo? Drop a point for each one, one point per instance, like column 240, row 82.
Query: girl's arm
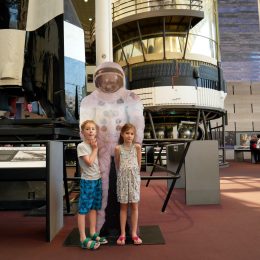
column 117, row 156
column 139, row 154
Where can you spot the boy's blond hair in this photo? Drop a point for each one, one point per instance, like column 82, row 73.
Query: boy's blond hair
column 83, row 125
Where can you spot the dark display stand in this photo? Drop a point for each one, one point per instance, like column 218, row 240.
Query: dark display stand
column 169, row 174
column 111, row 227
column 51, row 173
column 36, row 129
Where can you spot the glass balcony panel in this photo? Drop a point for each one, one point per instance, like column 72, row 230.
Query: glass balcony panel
column 133, row 50
column 174, row 44
column 201, row 46
column 207, row 26
column 118, row 56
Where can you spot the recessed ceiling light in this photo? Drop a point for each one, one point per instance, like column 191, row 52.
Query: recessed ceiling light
column 90, row 19
column 85, row 0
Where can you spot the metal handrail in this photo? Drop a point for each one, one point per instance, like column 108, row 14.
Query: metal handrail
column 120, row 9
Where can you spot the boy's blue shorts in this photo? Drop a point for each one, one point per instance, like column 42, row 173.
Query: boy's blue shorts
column 90, row 195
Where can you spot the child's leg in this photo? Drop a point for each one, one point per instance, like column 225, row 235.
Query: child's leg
column 123, row 218
column 92, row 222
column 134, row 220
column 86, row 242
column 81, row 227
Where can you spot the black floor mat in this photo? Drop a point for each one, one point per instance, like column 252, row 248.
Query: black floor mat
column 151, row 235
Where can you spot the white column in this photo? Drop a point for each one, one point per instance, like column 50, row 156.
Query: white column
column 103, row 24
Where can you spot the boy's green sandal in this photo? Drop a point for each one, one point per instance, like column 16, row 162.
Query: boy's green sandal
column 88, row 243
column 97, row 238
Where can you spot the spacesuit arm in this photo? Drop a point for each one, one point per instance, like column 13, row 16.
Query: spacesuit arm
column 135, row 115
column 87, row 110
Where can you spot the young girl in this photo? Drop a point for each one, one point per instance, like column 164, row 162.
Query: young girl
column 90, row 186
column 128, row 164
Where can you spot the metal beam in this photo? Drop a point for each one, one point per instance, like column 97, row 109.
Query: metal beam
column 121, row 46
column 140, row 38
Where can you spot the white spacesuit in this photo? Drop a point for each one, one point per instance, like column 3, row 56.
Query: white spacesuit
column 111, row 105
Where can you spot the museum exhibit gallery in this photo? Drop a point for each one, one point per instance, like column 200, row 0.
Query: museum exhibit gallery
column 170, row 54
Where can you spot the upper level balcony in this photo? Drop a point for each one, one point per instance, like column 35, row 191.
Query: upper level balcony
column 146, row 30
column 183, row 13
column 179, row 15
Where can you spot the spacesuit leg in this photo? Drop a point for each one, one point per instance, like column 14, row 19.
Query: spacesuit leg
column 104, row 163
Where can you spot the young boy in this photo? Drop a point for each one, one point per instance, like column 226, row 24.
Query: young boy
column 90, row 186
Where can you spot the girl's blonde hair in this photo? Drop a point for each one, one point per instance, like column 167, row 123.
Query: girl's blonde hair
column 83, row 125
column 125, row 128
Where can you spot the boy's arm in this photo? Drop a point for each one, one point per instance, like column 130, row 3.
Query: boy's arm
column 117, row 156
column 139, row 154
column 89, row 159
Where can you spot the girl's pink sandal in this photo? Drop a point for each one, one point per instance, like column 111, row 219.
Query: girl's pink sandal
column 121, row 241
column 137, row 240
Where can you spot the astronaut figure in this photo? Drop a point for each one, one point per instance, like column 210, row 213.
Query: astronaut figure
column 111, row 105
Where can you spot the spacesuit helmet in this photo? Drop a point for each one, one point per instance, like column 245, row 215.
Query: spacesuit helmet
column 109, row 77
